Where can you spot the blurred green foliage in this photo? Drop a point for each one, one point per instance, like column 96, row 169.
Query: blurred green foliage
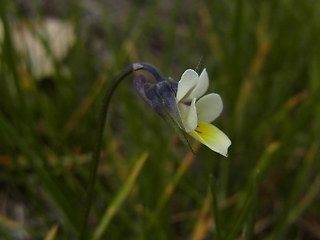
column 263, row 58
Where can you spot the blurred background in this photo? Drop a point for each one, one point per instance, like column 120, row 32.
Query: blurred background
column 57, row 58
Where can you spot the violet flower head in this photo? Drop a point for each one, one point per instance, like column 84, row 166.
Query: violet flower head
column 184, row 107
column 160, row 95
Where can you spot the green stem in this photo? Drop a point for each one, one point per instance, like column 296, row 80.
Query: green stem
column 96, row 154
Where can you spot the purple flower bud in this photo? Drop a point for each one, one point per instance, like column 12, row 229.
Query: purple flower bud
column 161, row 97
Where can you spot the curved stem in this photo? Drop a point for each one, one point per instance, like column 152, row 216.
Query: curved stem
column 96, row 154
column 154, row 71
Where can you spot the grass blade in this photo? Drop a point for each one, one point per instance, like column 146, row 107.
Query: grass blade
column 119, row 199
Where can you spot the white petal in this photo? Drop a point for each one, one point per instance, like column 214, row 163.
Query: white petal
column 212, row 137
column 188, row 115
column 209, row 107
column 200, row 88
column 187, row 82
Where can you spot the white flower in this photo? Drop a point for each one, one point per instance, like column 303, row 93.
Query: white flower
column 197, row 114
column 30, row 43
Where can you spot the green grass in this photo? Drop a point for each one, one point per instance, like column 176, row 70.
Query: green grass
column 263, row 58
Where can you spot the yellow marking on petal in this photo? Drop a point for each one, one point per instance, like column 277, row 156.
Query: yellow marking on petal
column 212, row 137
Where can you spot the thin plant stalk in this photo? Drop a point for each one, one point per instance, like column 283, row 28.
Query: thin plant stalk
column 101, row 125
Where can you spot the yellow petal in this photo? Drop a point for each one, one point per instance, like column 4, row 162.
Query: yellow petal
column 212, row 137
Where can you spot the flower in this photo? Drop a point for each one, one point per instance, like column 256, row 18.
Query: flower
column 41, row 44
column 197, row 113
column 179, row 105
